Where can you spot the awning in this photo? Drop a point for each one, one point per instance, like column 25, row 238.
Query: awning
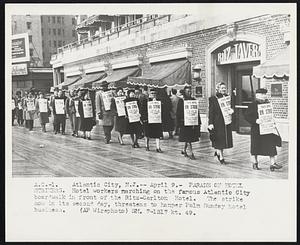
column 87, row 80
column 68, row 81
column 168, row 73
column 276, row 67
column 119, row 77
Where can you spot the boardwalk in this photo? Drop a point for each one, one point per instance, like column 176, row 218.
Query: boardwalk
column 67, row 156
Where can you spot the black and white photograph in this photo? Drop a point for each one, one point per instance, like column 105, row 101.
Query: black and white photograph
column 160, row 94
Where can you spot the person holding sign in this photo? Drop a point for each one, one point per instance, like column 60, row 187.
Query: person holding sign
column 87, row 115
column 261, row 144
column 42, row 109
column 104, row 110
column 151, row 116
column 59, row 112
column 13, row 107
column 19, row 108
column 29, row 106
column 121, row 120
column 71, row 111
column 219, row 120
column 188, row 121
column 132, row 108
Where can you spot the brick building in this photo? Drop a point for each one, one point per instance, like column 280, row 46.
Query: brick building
column 215, row 51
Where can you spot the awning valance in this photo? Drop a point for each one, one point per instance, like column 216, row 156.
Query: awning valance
column 276, row 67
column 87, row 80
column 68, row 81
column 168, row 73
column 119, row 77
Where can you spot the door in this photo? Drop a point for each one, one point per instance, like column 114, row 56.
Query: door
column 246, row 85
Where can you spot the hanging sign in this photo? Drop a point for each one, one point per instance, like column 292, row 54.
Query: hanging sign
column 133, row 111
column 76, row 102
column 154, row 112
column 30, row 105
column 107, row 96
column 265, row 114
column 239, row 52
column 225, row 105
column 190, row 112
column 43, row 105
column 120, row 105
column 59, row 106
column 87, row 108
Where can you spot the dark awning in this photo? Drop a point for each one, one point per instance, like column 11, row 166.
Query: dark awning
column 168, row 73
column 276, row 67
column 68, row 81
column 87, row 80
column 119, row 77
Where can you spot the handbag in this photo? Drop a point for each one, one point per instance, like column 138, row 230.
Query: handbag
column 277, row 138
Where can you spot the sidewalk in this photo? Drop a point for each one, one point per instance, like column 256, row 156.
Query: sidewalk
column 38, row 154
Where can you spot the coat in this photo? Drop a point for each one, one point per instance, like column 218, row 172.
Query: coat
column 52, row 104
column 86, row 124
column 167, row 122
column 223, row 133
column 121, row 124
column 44, row 116
column 174, row 100
column 186, row 133
column 260, row 144
column 107, row 116
column 151, row 130
column 70, row 106
column 29, row 115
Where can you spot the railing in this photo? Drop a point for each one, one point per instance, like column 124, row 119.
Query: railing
column 116, row 30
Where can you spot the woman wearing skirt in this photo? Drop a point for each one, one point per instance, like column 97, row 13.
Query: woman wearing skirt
column 87, row 115
column 187, row 134
column 151, row 130
column 121, row 124
column 42, row 108
column 134, row 128
column 223, row 132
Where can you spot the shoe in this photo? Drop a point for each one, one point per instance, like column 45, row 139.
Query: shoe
column 147, row 148
column 73, row 134
column 159, row 150
column 63, row 133
column 89, row 138
column 137, row 145
column 120, row 141
column 255, row 166
column 133, row 146
column 275, row 166
column 84, row 137
column 216, row 155
column 192, row 157
column 184, row 153
column 55, row 132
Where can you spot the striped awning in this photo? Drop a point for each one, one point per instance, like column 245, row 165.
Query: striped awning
column 87, row 80
column 276, row 67
column 167, row 73
column 68, row 81
column 119, row 77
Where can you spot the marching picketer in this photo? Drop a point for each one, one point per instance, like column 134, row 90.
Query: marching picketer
column 19, row 108
column 71, row 111
column 151, row 117
column 219, row 120
column 59, row 112
column 188, row 120
column 104, row 110
column 29, row 108
column 42, row 109
column 262, row 144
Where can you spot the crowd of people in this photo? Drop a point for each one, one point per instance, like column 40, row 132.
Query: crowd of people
column 142, row 113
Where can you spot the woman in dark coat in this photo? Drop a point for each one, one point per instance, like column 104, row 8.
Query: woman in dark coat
column 86, row 123
column 44, row 115
column 222, row 132
column 29, row 108
column 151, row 130
column 121, row 121
column 187, row 134
column 263, row 145
column 134, row 128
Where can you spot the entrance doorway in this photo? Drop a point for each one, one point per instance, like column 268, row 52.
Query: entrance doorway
column 244, row 87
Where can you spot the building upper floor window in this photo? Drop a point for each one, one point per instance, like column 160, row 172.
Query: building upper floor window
column 58, row 32
column 63, row 20
column 54, row 44
column 53, row 19
column 41, row 19
column 28, row 25
column 59, row 43
column 63, row 31
column 49, row 43
column 49, row 19
column 42, row 43
column 49, row 31
column 58, row 19
column 64, row 43
column 54, row 31
column 73, row 21
column 30, row 38
column 31, row 51
column 42, row 31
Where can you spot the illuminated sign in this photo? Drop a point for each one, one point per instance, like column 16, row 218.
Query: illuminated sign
column 20, row 48
column 239, row 52
column 19, row 69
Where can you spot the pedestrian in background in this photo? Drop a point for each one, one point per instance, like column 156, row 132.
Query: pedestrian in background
column 222, row 132
column 187, row 134
column 42, row 109
column 104, row 111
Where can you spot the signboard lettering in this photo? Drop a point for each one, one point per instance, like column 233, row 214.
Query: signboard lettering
column 107, row 96
column 20, row 48
column 191, row 112
column 133, row 111
column 265, row 114
column 43, row 105
column 30, row 105
column 120, row 105
column 225, row 105
column 87, row 108
column 19, row 69
column 59, row 106
column 154, row 112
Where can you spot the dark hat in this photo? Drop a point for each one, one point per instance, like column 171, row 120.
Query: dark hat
column 187, row 86
column 41, row 92
column 55, row 89
column 153, row 90
column 118, row 89
column 129, row 91
column 104, row 84
column 261, row 91
column 136, row 87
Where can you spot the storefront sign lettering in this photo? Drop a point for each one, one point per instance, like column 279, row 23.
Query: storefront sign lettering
column 239, row 52
column 19, row 69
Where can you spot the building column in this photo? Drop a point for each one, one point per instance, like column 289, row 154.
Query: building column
column 54, row 77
